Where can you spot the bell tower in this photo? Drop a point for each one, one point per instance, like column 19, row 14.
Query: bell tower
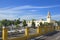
column 49, row 17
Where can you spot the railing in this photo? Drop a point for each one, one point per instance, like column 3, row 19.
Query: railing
column 57, row 28
column 27, row 35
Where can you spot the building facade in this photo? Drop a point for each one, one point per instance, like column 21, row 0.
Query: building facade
column 37, row 22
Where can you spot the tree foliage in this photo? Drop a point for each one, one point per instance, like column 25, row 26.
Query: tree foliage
column 24, row 23
column 33, row 23
column 41, row 24
column 6, row 22
column 46, row 24
column 58, row 22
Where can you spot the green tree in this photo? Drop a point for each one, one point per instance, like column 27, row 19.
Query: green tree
column 58, row 22
column 0, row 26
column 45, row 23
column 17, row 21
column 50, row 24
column 17, row 26
column 41, row 24
column 4, row 22
column 33, row 23
column 24, row 23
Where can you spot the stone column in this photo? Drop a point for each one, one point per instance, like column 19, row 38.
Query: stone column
column 4, row 33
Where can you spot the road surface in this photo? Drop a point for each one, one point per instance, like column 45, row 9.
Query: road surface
column 50, row 36
column 55, row 36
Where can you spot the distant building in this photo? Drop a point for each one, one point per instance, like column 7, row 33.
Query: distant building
column 37, row 22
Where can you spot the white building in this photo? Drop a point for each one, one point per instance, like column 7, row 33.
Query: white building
column 48, row 20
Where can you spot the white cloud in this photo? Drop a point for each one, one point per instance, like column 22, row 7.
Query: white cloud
column 28, row 17
column 56, row 16
column 30, row 7
column 11, row 17
column 33, row 10
column 20, row 8
column 13, row 12
column 8, row 11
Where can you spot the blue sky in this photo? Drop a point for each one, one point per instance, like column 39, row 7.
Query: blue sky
column 29, row 9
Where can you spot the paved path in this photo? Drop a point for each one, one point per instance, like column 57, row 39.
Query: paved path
column 49, row 36
column 55, row 36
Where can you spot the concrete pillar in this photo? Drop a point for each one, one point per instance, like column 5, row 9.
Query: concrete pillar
column 56, row 28
column 27, row 31
column 50, row 29
column 59, row 27
column 4, row 33
column 38, row 30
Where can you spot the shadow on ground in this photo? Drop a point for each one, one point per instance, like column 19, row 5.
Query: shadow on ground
column 51, row 34
column 48, row 35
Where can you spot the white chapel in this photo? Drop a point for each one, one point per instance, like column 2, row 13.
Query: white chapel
column 48, row 20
